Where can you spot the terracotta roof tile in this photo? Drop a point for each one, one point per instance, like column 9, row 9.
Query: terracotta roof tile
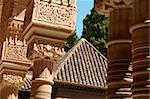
column 83, row 64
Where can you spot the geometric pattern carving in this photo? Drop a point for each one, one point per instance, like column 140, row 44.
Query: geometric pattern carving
column 46, row 75
column 55, row 14
column 14, row 50
column 46, row 50
column 13, row 80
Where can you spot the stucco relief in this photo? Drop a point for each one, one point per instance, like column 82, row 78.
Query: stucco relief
column 13, row 80
column 15, row 50
column 55, row 14
column 45, row 50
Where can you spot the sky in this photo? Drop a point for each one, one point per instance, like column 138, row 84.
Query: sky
column 83, row 8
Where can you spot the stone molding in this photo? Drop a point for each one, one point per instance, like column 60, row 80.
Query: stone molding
column 140, row 48
column 117, row 42
column 140, row 25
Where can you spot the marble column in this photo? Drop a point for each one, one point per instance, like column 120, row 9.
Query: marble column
column 10, row 86
column 119, row 54
column 42, row 79
column 141, row 49
column 13, row 67
column 46, row 33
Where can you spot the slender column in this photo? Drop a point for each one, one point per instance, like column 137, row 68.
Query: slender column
column 46, row 32
column 43, row 79
column 13, row 67
column 5, row 12
column 119, row 54
column 141, row 49
column 10, row 86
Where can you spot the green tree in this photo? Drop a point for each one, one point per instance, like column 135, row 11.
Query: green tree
column 95, row 30
column 71, row 41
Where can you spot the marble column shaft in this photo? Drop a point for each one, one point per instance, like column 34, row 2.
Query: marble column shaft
column 140, row 31
column 119, row 53
column 42, row 79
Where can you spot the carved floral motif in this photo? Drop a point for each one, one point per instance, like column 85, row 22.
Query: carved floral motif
column 46, row 50
column 15, row 50
column 12, row 79
column 55, row 14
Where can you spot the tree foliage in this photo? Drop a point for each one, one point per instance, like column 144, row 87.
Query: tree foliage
column 95, row 30
column 71, row 41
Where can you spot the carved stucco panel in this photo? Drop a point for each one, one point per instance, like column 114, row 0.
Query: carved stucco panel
column 55, row 14
column 15, row 52
column 46, row 50
column 13, row 80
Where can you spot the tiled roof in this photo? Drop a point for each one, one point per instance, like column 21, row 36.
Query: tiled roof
column 83, row 65
column 27, row 81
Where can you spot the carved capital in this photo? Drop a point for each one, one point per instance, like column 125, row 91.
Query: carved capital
column 12, row 80
column 40, row 50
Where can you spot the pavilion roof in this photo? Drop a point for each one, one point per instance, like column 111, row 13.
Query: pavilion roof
column 82, row 65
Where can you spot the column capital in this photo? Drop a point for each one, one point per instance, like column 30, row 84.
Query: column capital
column 12, row 80
column 40, row 49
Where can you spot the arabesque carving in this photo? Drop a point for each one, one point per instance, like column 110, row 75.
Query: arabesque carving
column 14, row 50
column 13, row 80
column 46, row 50
column 55, row 14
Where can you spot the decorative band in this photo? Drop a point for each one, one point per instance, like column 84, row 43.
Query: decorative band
column 140, row 48
column 140, row 25
column 117, row 42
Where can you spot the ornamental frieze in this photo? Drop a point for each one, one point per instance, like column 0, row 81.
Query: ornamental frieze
column 14, row 50
column 55, row 14
column 54, row 50
column 13, row 80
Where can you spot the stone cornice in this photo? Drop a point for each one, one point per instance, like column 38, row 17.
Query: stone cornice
column 80, row 87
